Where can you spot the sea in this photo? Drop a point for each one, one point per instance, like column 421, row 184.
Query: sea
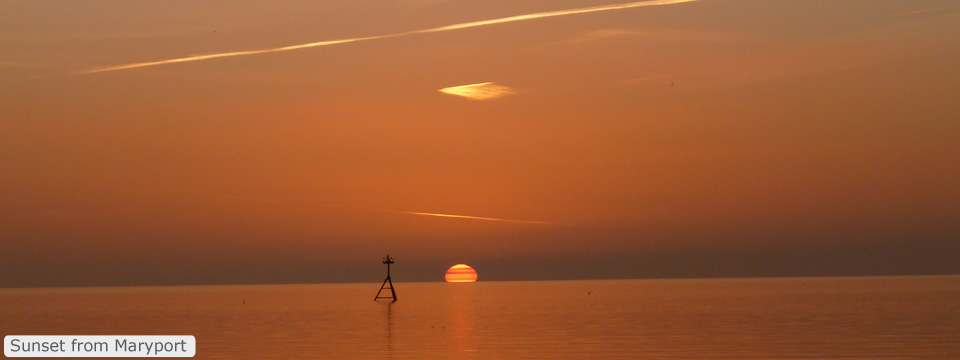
column 916, row 317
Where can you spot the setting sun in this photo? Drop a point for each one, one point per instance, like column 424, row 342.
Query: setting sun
column 461, row 273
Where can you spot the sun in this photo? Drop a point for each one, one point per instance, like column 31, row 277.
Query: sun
column 461, row 273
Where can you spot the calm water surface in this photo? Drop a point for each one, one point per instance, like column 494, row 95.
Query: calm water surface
column 812, row 318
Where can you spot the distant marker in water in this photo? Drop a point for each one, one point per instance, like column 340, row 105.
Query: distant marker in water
column 387, row 260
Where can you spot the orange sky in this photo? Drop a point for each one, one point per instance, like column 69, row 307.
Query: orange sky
column 706, row 138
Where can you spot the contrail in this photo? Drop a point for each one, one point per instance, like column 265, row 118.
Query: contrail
column 274, row 201
column 539, row 15
column 475, row 217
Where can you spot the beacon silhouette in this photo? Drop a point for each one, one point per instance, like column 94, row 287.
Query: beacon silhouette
column 387, row 283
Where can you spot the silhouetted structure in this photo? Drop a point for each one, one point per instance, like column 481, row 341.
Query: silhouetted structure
column 387, row 260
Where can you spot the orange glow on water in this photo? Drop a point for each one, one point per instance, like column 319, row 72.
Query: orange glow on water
column 461, row 273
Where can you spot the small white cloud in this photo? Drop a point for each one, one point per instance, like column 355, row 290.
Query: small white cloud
column 480, row 91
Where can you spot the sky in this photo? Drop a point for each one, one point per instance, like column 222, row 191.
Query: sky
column 223, row 142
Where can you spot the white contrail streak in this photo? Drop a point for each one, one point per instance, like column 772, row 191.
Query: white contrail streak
column 474, row 217
column 539, row 15
column 226, row 54
column 552, row 14
column 468, row 217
